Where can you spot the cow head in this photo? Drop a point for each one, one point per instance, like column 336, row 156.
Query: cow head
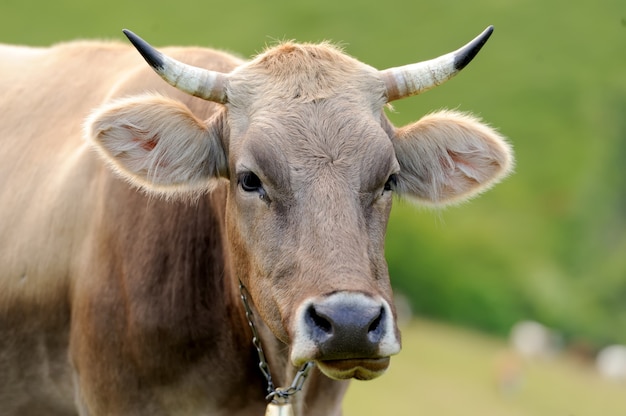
column 312, row 163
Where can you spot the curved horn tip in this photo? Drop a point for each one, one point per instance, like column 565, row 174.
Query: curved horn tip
column 151, row 55
column 469, row 51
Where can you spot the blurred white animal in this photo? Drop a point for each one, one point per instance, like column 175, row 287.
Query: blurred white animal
column 533, row 340
column 611, row 362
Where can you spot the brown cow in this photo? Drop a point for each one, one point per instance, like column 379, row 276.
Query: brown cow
column 121, row 296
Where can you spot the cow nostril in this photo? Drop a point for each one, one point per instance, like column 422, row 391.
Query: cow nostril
column 319, row 321
column 376, row 322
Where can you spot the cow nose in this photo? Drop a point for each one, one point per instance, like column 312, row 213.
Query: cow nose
column 344, row 326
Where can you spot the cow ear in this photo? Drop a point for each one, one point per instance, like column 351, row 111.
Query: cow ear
column 158, row 144
column 448, row 157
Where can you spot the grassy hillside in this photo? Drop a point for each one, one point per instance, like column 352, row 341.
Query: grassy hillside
column 447, row 371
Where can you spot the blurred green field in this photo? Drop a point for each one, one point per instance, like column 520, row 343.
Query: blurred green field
column 446, row 371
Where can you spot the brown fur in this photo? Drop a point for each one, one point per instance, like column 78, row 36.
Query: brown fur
column 117, row 301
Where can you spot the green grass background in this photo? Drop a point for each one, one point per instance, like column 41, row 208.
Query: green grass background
column 447, row 371
column 549, row 243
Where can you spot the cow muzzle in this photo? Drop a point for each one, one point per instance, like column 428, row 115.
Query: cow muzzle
column 348, row 335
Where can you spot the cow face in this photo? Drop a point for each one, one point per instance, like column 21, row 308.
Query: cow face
column 312, row 176
column 312, row 164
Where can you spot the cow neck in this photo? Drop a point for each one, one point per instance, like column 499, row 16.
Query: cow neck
column 277, row 396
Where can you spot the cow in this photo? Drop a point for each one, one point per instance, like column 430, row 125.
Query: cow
column 150, row 230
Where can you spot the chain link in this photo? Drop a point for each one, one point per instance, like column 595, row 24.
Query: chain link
column 282, row 395
column 277, row 395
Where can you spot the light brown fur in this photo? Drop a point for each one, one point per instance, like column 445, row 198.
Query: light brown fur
column 116, row 301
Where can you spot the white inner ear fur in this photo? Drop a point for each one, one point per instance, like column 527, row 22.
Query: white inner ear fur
column 158, row 144
column 449, row 157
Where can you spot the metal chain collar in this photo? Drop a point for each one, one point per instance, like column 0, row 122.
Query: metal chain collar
column 275, row 394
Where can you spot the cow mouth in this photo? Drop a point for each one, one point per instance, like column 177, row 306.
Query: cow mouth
column 358, row 368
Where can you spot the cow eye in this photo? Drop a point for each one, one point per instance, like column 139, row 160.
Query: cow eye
column 391, row 183
column 250, row 182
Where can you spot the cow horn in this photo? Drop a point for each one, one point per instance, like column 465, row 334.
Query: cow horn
column 199, row 82
column 413, row 79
